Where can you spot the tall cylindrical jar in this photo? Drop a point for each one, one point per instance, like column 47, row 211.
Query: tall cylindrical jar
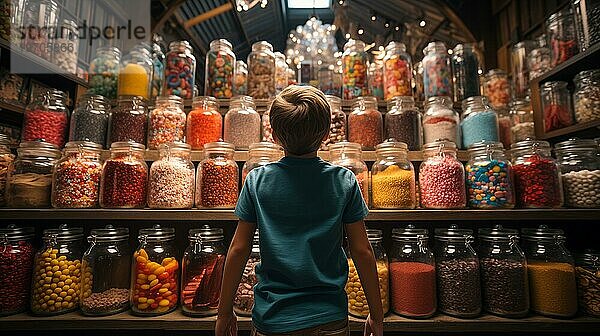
column 261, row 71
column 465, row 69
column 330, row 80
column 586, row 97
column 166, row 122
column 412, row 273
column 588, row 282
column 40, row 19
column 204, row 122
column 365, row 123
column 135, row 74
column 393, row 178
column 65, row 46
column 440, row 121
column 243, row 301
column 479, row 121
column 89, row 121
column 219, row 69
column 128, row 120
column 556, row 104
column 242, row 123
column 562, row 35
column 349, row 155
column 580, row 171
column 437, row 70
column 441, row 177
column 522, row 125
column 16, row 261
column 104, row 72
column 281, row 80
column 217, row 176
column 586, row 20
column 539, row 61
column 46, row 118
column 337, row 129
column 520, row 71
column 202, row 271
column 403, row 122
column 375, row 79
column 180, row 70
column 397, row 71
column 261, row 154
column 497, row 88
column 105, row 272
column 354, row 70
column 240, row 78
column 155, row 273
column 171, row 180
column 6, row 158
column 124, row 177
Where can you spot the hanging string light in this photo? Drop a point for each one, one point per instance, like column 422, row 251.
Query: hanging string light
column 245, row 5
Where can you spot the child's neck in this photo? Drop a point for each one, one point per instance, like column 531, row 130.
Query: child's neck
column 303, row 156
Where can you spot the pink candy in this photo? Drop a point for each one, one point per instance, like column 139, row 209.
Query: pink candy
column 442, row 183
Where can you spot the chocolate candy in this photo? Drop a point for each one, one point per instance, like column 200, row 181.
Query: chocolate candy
column 244, row 296
column 6, row 158
column 217, row 185
column 459, row 290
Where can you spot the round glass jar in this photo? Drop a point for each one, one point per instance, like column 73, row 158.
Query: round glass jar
column 440, row 121
column 489, row 177
column 586, row 19
column 65, row 46
column 393, row 178
column 180, row 70
column 465, row 70
column 261, row 71
column 562, row 34
column 588, row 282
column 281, row 80
column 219, row 69
column 266, row 129
column 539, row 61
column 40, row 19
column 240, row 79
column 349, row 155
column 6, row 158
column 46, row 118
column 375, row 79
column 16, row 262
column 556, row 104
column 204, row 122
column 124, row 177
column 242, row 123
column 337, row 129
column 505, row 288
column 330, row 80
column 441, row 177
column 479, row 121
column 29, row 179
column 580, row 170
column 89, row 121
column 403, row 122
column 243, row 301
column 172, row 178
column 104, row 72
column 437, row 70
column 202, row 270
column 261, row 154
column 354, row 70
column 155, row 273
column 497, row 88
column 505, row 127
column 217, row 176
column 520, row 71
column 457, row 270
column 56, row 285
column 128, row 120
column 412, row 272
column 586, row 98
column 158, row 61
column 365, row 123
column 522, row 125
column 166, row 123
column 357, row 300
column 135, row 74
column 551, row 272
column 105, row 272
column 76, row 176
column 397, row 71
column 537, row 178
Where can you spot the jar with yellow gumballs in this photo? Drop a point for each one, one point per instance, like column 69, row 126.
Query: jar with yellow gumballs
column 393, row 178
column 135, row 74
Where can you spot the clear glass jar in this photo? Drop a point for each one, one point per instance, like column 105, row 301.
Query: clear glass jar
column 266, row 129
column 261, row 154
column 418, row 75
column 172, row 178
column 330, row 81
column 337, row 129
column 365, row 123
column 375, row 79
column 393, row 178
column 437, row 70
column 166, row 123
column 281, row 81
column 29, row 179
column 588, row 282
column 5, row 20
column 587, row 15
column 465, row 70
column 520, row 71
column 243, row 301
column 40, row 18
column 6, row 158
column 124, row 177
column 204, row 122
column 412, row 272
column 349, row 155
column 105, row 272
column 522, row 125
column 354, row 70
column 240, row 79
column 155, row 273
column 562, row 34
column 479, row 121
column 497, row 88
column 357, row 300
column 217, row 177
column 180, row 70
column 441, row 177
column 505, row 288
column 56, row 285
column 440, row 121
column 504, row 127
column 219, row 70
column 489, row 177
column 104, row 72
column 539, row 61
column 16, row 261
column 202, row 270
column 65, row 46
column 135, row 74
column 292, row 78
column 580, row 170
column 551, row 272
column 556, row 104
column 158, row 61
column 397, row 71
column 457, row 270
column 128, row 120
column 76, row 176
column 536, row 175
column 46, row 118
column 89, row 121
column 261, row 71
column 242, row 123
column 586, row 98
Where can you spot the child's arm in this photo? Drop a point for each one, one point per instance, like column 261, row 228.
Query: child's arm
column 237, row 256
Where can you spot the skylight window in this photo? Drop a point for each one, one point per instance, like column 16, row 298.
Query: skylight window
column 308, row 3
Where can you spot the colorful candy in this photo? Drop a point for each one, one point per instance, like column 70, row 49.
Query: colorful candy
column 240, row 79
column 397, row 72
column 104, row 72
column 375, row 76
column 354, row 75
column 261, row 71
column 489, row 184
column 220, row 62
column 76, row 182
column 124, row 182
column 437, row 71
column 442, row 183
column 180, row 71
column 167, row 122
column 155, row 288
column 51, row 126
column 357, row 300
column 497, row 89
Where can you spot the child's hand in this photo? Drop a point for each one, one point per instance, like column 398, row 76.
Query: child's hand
column 226, row 325
column 373, row 328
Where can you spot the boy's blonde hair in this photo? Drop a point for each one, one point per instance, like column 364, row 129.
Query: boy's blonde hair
column 300, row 118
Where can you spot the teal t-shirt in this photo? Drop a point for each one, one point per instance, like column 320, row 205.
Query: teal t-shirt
column 300, row 207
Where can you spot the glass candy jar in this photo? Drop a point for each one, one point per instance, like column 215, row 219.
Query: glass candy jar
column 586, row 98
column 6, row 158
column 180, row 70
column 437, row 70
column 520, row 71
column 505, row 288
column 586, row 19
column 349, row 155
column 580, row 170
column 261, row 71
column 539, row 61
column 243, row 301
column 29, row 179
column 65, row 46
column 497, row 88
column 40, row 19
column 281, row 80
column 393, row 178
column 441, row 177
column 16, row 262
column 522, row 125
column 240, row 79
column 418, row 75
column 202, row 270
column 479, row 121
column 556, row 104
column 89, row 121
column 375, row 79
column 354, row 70
column 457, row 269
column 219, row 70
column 155, row 273
column 403, row 122
column 104, row 72
column 46, row 118
column 166, row 122
column 56, row 285
column 365, row 123
column 76, row 176
column 204, row 122
column 128, row 120
column 261, row 154
column 266, row 129
column 551, row 272
column 397, row 71
column 217, row 176
column 440, row 121
column 465, row 70
column 242, row 123
column 330, row 81
column 172, row 178
column 105, row 272
column 124, row 177
column 562, row 35
column 588, row 282
column 337, row 129
column 412, row 272
column 135, row 74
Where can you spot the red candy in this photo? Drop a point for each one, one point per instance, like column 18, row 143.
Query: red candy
column 556, row 116
column 124, row 184
column 16, row 265
column 48, row 125
column 442, row 183
column 537, row 183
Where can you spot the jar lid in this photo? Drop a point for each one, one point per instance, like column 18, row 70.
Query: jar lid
column 127, row 145
column 374, row 235
column 202, row 99
column 409, row 233
column 361, row 101
column 553, row 85
column 352, row 42
column 576, row 144
column 529, row 144
column 444, row 100
column 586, row 74
column 391, row 145
column 109, row 233
column 206, row 234
column 435, row 45
column 485, row 145
column 219, row 145
column 395, row 45
column 345, row 146
column 96, row 98
column 86, row 145
column 220, row 42
column 14, row 233
column 262, row 45
column 498, row 232
column 64, row 233
column 519, row 102
column 41, row 147
column 463, row 47
column 156, row 233
column 589, row 257
column 264, row 145
column 170, row 99
column 175, row 146
column 495, row 72
column 474, row 100
column 527, row 44
column 333, row 99
column 180, row 44
column 440, row 144
column 453, row 233
column 543, row 232
column 114, row 50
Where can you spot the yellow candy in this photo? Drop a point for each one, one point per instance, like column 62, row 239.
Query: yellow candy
column 163, row 303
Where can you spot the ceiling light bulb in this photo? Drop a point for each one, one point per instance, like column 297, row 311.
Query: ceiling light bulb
column 387, row 25
column 450, row 51
column 397, row 28
column 347, row 36
column 380, row 48
column 360, row 31
column 341, row 2
column 373, row 18
column 422, row 23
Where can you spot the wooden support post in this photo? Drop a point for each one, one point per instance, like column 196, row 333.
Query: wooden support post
column 207, row 15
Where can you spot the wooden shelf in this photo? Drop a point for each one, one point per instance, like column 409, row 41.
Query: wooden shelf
column 12, row 107
column 572, row 129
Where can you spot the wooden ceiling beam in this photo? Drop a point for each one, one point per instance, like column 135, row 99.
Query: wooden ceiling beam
column 171, row 8
column 208, row 15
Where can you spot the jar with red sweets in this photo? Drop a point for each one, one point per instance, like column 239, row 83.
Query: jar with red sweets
column 16, row 263
column 166, row 123
column 441, row 177
column 217, row 177
column 204, row 122
column 556, row 104
column 46, row 118
column 354, row 70
column 172, row 178
column 128, row 120
column 497, row 88
column 349, row 155
column 562, row 34
column 261, row 154
column 397, row 71
column 365, row 123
